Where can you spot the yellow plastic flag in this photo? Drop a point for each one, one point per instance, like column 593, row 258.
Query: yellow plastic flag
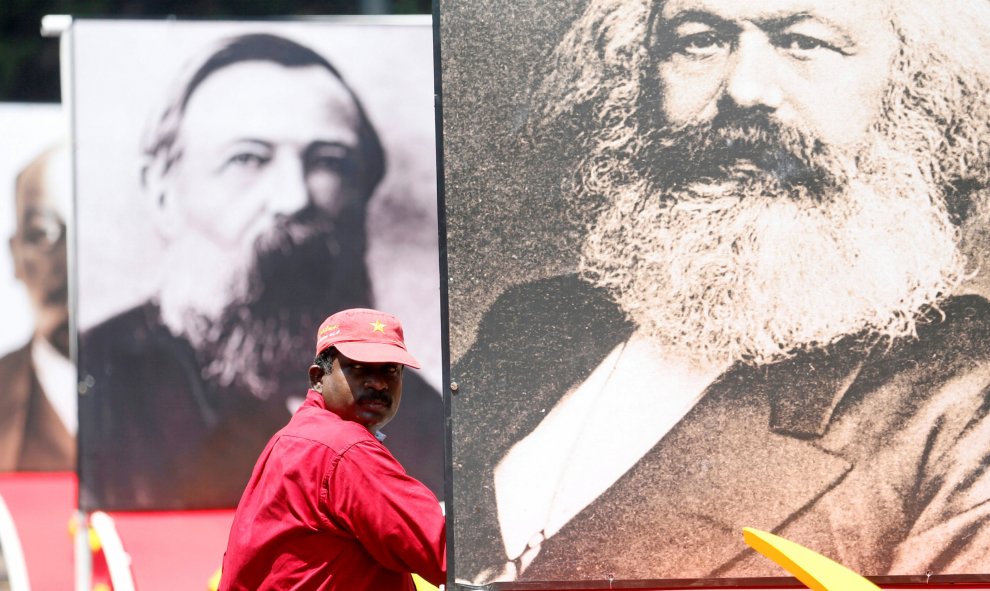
column 811, row 568
column 422, row 584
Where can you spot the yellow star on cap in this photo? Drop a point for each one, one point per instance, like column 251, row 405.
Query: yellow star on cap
column 377, row 326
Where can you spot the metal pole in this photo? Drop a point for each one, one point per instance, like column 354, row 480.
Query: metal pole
column 83, row 557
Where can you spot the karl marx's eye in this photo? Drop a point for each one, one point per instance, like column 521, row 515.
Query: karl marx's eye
column 802, row 46
column 700, row 44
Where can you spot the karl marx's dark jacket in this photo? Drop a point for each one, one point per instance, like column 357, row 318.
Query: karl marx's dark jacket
column 876, row 457
column 155, row 435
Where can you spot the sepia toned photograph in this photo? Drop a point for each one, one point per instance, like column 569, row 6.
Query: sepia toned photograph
column 237, row 183
column 715, row 265
column 37, row 377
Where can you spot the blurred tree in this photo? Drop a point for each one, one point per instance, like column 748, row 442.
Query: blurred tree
column 29, row 63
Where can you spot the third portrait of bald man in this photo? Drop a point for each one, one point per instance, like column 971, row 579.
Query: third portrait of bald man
column 717, row 264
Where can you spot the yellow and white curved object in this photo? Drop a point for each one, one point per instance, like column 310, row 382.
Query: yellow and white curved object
column 118, row 560
column 13, row 553
column 811, row 568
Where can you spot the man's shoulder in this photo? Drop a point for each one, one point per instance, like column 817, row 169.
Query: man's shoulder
column 324, row 429
column 945, row 364
column 553, row 313
column 17, row 376
column 130, row 340
column 131, row 328
column 562, row 296
column 16, row 361
column 538, row 340
column 135, row 350
column 957, row 331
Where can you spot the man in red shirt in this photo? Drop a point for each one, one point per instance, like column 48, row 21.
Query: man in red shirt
column 327, row 506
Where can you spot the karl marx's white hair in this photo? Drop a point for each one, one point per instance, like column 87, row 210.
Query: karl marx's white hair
column 932, row 130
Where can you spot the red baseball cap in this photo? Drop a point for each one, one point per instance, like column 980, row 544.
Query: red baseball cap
column 365, row 335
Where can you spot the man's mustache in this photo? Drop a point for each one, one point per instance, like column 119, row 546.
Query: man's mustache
column 379, row 397
column 737, row 144
column 284, row 237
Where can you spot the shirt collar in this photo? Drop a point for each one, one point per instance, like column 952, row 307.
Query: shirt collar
column 57, row 376
column 315, row 399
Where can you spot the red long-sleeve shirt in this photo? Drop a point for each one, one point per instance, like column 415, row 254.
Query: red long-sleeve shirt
column 328, row 507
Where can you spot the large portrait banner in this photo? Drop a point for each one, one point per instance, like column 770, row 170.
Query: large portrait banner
column 238, row 182
column 715, row 265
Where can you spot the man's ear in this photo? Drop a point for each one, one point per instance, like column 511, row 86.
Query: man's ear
column 316, row 378
column 17, row 256
column 156, row 186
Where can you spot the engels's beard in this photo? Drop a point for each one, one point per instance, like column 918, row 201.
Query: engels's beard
column 298, row 272
column 740, row 239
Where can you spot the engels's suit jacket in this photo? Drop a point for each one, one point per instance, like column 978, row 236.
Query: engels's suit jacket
column 154, row 434
column 32, row 437
column 874, row 457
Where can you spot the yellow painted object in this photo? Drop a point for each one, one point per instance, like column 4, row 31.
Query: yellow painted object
column 422, row 584
column 811, row 568
column 214, row 583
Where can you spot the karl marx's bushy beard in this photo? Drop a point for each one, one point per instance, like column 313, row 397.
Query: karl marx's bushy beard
column 262, row 338
column 742, row 240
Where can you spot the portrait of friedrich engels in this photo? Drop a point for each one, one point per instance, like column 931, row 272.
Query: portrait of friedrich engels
column 771, row 322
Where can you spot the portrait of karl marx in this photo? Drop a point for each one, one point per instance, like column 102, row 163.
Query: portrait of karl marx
column 771, row 320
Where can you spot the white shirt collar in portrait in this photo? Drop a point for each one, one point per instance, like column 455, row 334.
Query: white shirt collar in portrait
column 57, row 376
column 589, row 439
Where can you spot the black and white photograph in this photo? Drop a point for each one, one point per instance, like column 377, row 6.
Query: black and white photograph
column 37, row 378
column 237, row 183
column 712, row 265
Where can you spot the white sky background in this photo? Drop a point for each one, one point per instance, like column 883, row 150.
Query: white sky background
column 26, row 130
column 121, row 71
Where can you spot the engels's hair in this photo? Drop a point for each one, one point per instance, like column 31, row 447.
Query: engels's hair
column 598, row 82
column 159, row 144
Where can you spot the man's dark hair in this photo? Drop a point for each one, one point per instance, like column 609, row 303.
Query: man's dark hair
column 325, row 359
column 160, row 141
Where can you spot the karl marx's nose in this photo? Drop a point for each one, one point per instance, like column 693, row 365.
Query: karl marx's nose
column 752, row 80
